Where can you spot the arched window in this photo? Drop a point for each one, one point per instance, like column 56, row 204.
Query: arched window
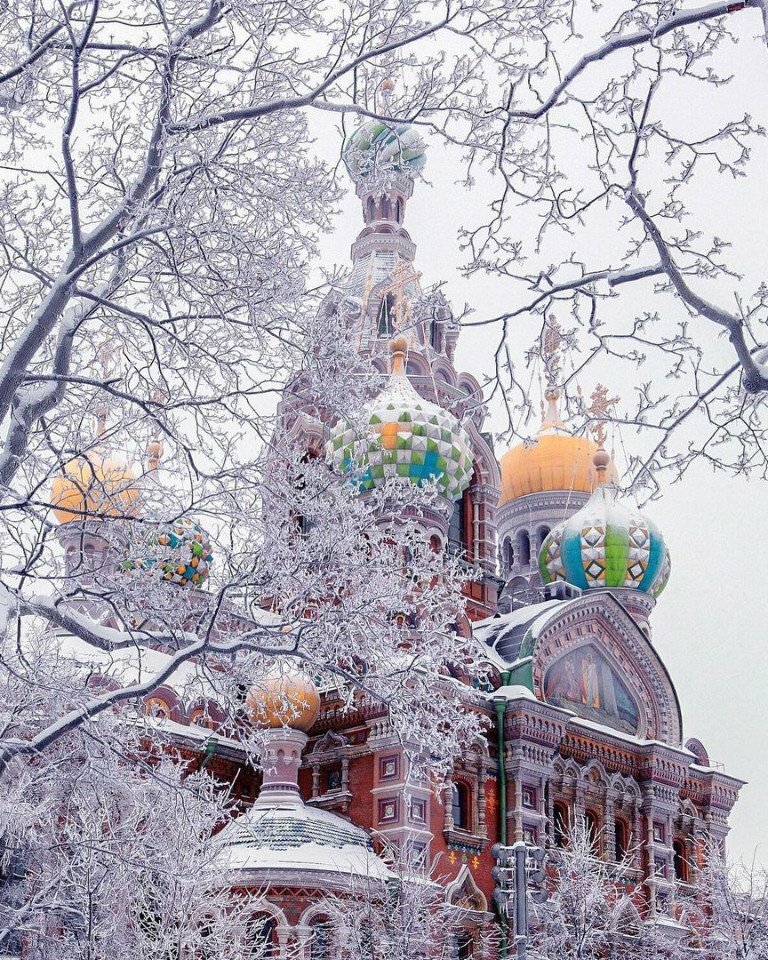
column 541, row 535
column 385, row 324
column 435, row 543
column 385, row 208
column 592, row 829
column 399, row 210
column 621, row 841
column 321, row 945
column 371, row 209
column 680, row 862
column 560, row 825
column 460, row 806
column 263, row 938
column 523, row 547
column 509, row 553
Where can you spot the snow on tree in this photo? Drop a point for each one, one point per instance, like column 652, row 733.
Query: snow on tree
column 160, row 204
column 732, row 909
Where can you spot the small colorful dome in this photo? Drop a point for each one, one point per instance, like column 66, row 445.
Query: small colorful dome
column 407, row 437
column 179, row 552
column 93, row 486
column 606, row 544
column 285, row 698
column 378, row 147
column 556, row 460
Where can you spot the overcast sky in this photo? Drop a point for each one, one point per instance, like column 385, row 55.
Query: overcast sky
column 710, row 624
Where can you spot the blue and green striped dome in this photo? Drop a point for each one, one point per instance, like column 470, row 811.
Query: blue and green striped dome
column 405, row 436
column 606, row 544
column 378, row 147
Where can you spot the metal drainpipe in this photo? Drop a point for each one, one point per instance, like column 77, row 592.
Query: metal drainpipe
column 501, row 710
column 210, row 750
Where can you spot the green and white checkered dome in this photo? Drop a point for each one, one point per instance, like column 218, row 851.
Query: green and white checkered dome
column 606, row 544
column 406, row 437
column 379, row 148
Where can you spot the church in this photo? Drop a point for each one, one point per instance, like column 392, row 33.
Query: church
column 583, row 721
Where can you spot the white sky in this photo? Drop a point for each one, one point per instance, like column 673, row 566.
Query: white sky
column 710, row 624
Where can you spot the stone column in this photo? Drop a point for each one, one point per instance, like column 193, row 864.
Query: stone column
column 481, row 828
column 609, row 824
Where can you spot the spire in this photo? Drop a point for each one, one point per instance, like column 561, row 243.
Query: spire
column 552, row 345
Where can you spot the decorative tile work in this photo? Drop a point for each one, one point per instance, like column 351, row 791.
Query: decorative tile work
column 406, row 437
column 605, row 544
column 378, row 147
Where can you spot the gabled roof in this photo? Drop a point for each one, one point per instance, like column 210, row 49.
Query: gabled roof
column 504, row 633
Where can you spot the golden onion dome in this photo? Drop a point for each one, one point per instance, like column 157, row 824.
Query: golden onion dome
column 94, row 486
column 556, row 460
column 286, row 698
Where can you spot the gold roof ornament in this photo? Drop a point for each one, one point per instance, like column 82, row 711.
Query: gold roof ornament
column 286, row 697
column 556, row 460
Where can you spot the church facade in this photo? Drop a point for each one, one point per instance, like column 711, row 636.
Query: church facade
column 583, row 721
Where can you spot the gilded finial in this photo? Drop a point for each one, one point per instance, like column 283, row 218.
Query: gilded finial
column 398, row 347
column 600, row 406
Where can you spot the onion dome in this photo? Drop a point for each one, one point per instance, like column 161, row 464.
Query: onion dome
column 556, row 460
column 381, row 148
column 606, row 544
column 285, row 698
column 94, row 486
column 179, row 552
column 407, row 437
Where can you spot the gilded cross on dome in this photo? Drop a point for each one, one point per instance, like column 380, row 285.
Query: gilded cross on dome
column 600, row 406
column 553, row 343
column 403, row 274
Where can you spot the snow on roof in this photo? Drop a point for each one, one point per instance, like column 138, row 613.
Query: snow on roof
column 291, row 837
column 512, row 692
column 135, row 664
column 504, row 633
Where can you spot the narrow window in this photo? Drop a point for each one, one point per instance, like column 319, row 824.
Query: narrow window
column 385, row 324
column 680, row 862
column 460, row 805
column 560, row 825
column 622, row 841
column 456, row 527
column 524, row 547
column 434, row 335
column 465, row 946
column 592, row 829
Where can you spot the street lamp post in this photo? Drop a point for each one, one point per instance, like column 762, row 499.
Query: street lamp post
column 519, row 874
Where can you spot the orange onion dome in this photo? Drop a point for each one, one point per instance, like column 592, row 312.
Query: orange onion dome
column 556, row 460
column 93, row 486
column 285, row 698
